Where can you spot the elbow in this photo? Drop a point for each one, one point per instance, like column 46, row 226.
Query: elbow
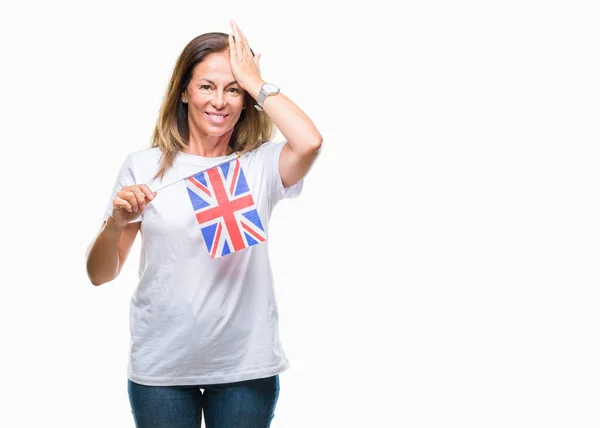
column 316, row 146
column 92, row 276
column 96, row 280
column 316, row 142
column 97, row 277
column 312, row 146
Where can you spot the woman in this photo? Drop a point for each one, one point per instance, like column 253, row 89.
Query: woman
column 204, row 324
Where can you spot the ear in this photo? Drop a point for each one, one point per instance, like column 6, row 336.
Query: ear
column 184, row 97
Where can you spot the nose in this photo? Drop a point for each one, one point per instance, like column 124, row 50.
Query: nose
column 218, row 100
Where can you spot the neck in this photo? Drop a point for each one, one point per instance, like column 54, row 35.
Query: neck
column 209, row 146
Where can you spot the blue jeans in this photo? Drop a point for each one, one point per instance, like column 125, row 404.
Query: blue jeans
column 245, row 404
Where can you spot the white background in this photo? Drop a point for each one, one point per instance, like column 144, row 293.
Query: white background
column 441, row 266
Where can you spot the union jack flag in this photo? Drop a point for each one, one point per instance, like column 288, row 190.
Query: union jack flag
column 225, row 210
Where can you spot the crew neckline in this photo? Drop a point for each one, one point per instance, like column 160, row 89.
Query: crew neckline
column 203, row 159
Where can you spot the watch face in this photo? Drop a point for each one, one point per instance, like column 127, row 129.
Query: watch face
column 270, row 88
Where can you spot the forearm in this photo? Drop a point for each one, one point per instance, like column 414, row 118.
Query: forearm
column 103, row 254
column 297, row 128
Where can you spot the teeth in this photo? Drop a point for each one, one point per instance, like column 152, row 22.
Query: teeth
column 216, row 116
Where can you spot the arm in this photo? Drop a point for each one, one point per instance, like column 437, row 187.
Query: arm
column 303, row 138
column 108, row 252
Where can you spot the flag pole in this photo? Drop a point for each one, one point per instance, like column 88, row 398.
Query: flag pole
column 196, row 173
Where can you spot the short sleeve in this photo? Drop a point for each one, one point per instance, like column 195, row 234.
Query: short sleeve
column 125, row 177
column 271, row 152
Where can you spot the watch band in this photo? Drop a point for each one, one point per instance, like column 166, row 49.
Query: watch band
column 262, row 95
column 260, row 100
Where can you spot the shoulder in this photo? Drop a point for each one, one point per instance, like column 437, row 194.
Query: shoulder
column 142, row 164
column 269, row 146
column 146, row 161
column 145, row 157
column 265, row 151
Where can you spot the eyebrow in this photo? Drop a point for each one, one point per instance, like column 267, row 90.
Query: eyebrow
column 212, row 83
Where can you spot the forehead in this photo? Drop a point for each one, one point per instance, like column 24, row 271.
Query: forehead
column 215, row 67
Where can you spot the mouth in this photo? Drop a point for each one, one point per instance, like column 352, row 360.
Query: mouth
column 217, row 118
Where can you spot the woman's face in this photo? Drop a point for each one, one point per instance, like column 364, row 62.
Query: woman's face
column 215, row 100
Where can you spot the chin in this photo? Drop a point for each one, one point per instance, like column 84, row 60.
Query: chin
column 217, row 132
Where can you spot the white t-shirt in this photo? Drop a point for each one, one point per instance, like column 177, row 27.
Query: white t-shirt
column 196, row 320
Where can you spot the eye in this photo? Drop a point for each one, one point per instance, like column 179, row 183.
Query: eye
column 236, row 90
column 205, row 87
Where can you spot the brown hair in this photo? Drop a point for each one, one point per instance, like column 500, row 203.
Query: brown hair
column 171, row 133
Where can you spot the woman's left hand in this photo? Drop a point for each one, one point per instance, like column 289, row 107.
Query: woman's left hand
column 244, row 65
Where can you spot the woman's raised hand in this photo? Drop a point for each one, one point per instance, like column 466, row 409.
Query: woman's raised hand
column 244, row 65
column 130, row 202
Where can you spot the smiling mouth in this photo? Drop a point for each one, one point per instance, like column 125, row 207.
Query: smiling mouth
column 217, row 118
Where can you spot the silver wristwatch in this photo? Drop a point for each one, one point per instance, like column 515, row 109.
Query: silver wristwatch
column 266, row 90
